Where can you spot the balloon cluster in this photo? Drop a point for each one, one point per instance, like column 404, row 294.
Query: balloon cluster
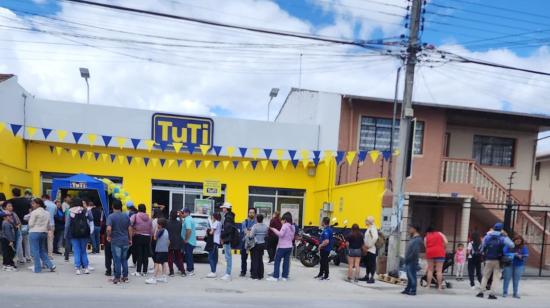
column 117, row 192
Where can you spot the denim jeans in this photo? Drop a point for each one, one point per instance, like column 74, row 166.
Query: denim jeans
column 119, row 258
column 189, row 257
column 284, row 254
column 95, row 237
column 512, row 273
column 23, row 247
column 39, row 251
column 411, row 269
column 228, row 258
column 80, row 253
column 213, row 258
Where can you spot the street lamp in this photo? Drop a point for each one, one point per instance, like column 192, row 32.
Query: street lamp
column 85, row 73
column 272, row 95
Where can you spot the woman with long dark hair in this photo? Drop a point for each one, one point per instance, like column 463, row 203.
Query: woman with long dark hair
column 514, row 269
column 142, row 226
column 284, row 247
column 175, row 254
column 435, row 243
column 355, row 243
column 474, row 256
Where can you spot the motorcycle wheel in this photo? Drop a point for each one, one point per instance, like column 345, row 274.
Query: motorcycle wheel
column 309, row 259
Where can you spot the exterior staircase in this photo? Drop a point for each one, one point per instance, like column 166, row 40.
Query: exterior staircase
column 491, row 195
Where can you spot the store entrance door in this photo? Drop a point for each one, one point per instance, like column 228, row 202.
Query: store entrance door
column 177, row 196
column 167, row 199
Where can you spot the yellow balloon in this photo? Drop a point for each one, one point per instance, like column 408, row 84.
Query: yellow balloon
column 118, row 195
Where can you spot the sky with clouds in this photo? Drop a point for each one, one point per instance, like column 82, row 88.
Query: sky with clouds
column 149, row 62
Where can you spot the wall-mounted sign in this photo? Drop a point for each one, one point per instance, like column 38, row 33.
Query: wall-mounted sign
column 204, row 206
column 264, row 208
column 212, row 188
column 190, row 131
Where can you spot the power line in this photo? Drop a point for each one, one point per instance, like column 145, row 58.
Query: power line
column 502, row 8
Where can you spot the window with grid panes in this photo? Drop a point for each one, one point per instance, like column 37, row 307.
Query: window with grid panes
column 494, row 151
column 375, row 134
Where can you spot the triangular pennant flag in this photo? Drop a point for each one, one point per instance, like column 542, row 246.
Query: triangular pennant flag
column 225, row 163
column 292, row 154
column 374, row 155
column 2, row 125
column 316, row 154
column 81, row 153
column 295, row 163
column 216, row 163
column 146, row 160
column 121, row 159
column 51, row 148
column 267, row 153
column 386, row 154
column 163, row 145
column 170, row 163
column 188, row 163
column 339, row 156
column 274, row 163
column 284, row 163
column 104, row 156
column 177, row 146
column 230, row 150
column 316, row 161
column 162, row 161
column 96, row 155
column 149, row 144
column 217, row 150
column 129, row 159
column 243, row 151
column 245, row 164
column 77, row 137
column 235, row 164
column 137, row 159
column 264, row 163
column 254, row 164
column 179, row 162
column 61, row 134
column 121, row 141
column 113, row 156
column 350, row 157
column 191, row 148
column 304, row 154
column 92, row 138
column 58, row 150
column 204, row 149
column 328, row 155
column 197, row 163
column 135, row 142
column 305, row 163
column 15, row 128
column 255, row 152
column 279, row 153
column 362, row 155
column 106, row 140
column 207, row 163
column 154, row 161
column 89, row 155
column 46, row 132
column 31, row 131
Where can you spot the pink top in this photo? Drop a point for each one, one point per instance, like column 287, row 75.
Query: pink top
column 286, row 235
column 142, row 224
column 460, row 256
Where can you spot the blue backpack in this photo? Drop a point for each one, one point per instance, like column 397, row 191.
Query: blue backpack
column 493, row 248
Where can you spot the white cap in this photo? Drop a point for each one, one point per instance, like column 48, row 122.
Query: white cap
column 226, row 205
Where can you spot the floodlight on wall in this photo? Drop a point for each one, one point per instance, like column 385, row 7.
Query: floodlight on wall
column 85, row 73
column 274, row 92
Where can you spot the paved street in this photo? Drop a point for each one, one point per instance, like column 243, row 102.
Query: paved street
column 64, row 289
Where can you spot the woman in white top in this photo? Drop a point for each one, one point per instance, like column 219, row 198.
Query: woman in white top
column 39, row 225
column 215, row 232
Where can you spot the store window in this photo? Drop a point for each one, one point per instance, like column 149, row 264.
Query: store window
column 494, row 151
column 375, row 134
column 174, row 195
column 267, row 200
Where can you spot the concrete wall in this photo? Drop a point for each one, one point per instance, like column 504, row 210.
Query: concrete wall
column 314, row 108
column 541, row 187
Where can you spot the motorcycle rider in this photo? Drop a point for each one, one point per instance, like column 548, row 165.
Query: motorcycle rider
column 371, row 236
column 324, row 249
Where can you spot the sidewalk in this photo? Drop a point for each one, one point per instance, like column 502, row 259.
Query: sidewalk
column 63, row 288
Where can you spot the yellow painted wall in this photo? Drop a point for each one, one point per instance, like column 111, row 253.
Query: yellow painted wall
column 12, row 163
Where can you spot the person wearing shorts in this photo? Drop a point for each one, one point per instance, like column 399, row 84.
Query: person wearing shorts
column 435, row 243
column 161, row 253
column 355, row 252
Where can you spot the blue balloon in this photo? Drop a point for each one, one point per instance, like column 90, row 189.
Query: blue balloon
column 116, row 189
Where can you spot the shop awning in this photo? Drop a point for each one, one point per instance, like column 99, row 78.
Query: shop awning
column 82, row 182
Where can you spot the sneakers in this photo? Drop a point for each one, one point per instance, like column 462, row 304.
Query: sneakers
column 137, row 274
column 286, row 279
column 271, row 278
column 516, row 296
column 162, row 279
column 211, row 275
column 480, row 295
column 370, row 281
column 91, row 268
column 492, row 297
column 226, row 277
column 125, row 279
column 151, row 280
column 364, row 279
column 316, row 277
column 52, row 269
column 78, row 272
column 190, row 273
column 115, row 280
column 87, row 271
column 183, row 274
column 108, row 273
column 324, row 278
column 243, row 274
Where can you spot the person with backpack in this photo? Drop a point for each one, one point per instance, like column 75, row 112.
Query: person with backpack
column 246, row 227
column 229, row 238
column 435, row 243
column 77, row 226
column 515, row 265
column 370, row 240
column 493, row 252
column 474, row 256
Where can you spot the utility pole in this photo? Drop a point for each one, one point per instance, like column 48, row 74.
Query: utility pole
column 509, row 205
column 404, row 139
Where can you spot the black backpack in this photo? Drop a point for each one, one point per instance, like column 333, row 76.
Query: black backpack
column 493, row 248
column 79, row 226
column 235, row 239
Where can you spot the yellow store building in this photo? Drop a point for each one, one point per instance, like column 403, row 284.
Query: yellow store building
column 179, row 160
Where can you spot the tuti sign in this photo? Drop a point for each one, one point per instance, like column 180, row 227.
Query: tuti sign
column 190, row 131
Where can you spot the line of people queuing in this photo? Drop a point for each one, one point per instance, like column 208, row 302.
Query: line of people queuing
column 496, row 250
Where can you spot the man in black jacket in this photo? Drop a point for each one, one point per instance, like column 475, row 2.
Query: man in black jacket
column 229, row 232
column 22, row 207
